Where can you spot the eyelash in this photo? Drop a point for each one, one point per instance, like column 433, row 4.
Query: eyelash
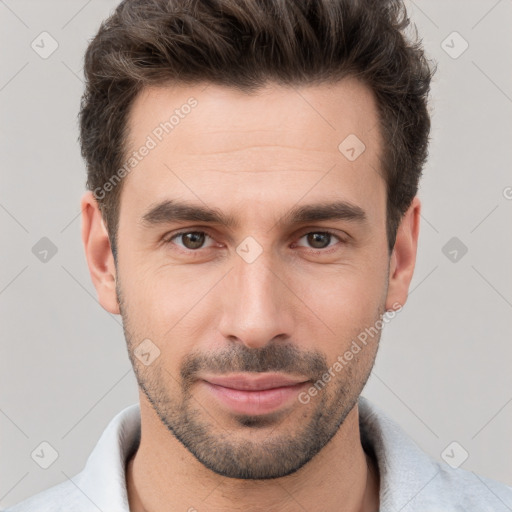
column 168, row 240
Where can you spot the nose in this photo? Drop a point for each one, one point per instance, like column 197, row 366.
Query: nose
column 257, row 303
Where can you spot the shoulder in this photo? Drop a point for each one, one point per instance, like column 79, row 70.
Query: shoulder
column 462, row 490
column 101, row 484
column 59, row 498
column 411, row 480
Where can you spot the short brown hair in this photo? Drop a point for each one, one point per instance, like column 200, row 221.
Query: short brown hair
column 244, row 44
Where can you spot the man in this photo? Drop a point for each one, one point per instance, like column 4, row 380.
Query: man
column 252, row 215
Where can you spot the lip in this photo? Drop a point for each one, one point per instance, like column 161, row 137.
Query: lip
column 258, row 382
column 254, row 395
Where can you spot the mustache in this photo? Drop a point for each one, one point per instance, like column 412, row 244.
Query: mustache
column 276, row 357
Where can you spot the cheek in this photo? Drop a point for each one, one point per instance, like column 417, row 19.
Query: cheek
column 145, row 300
column 170, row 307
column 346, row 302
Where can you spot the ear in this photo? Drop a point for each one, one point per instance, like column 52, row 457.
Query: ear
column 99, row 253
column 403, row 257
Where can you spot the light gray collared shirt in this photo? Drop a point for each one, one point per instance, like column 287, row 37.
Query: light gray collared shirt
column 410, row 480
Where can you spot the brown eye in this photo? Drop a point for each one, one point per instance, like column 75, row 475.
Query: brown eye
column 190, row 240
column 318, row 240
column 193, row 240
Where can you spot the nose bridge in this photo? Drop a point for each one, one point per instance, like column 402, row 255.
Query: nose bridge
column 256, row 305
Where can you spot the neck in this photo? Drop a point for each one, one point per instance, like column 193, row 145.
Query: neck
column 164, row 476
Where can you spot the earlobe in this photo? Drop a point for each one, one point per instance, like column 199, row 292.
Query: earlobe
column 403, row 257
column 98, row 253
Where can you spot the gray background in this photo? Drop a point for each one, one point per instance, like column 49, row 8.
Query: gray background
column 443, row 369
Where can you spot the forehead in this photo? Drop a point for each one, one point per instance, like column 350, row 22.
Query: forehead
column 274, row 146
column 324, row 112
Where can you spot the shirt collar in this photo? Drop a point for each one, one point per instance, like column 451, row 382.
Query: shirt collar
column 403, row 467
column 103, row 479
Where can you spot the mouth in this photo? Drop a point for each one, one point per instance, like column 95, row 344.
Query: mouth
column 255, row 394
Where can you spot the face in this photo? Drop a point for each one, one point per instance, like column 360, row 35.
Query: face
column 252, row 252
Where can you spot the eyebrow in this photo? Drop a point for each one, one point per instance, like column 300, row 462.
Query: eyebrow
column 173, row 210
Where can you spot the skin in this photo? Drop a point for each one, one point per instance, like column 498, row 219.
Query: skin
column 253, row 156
